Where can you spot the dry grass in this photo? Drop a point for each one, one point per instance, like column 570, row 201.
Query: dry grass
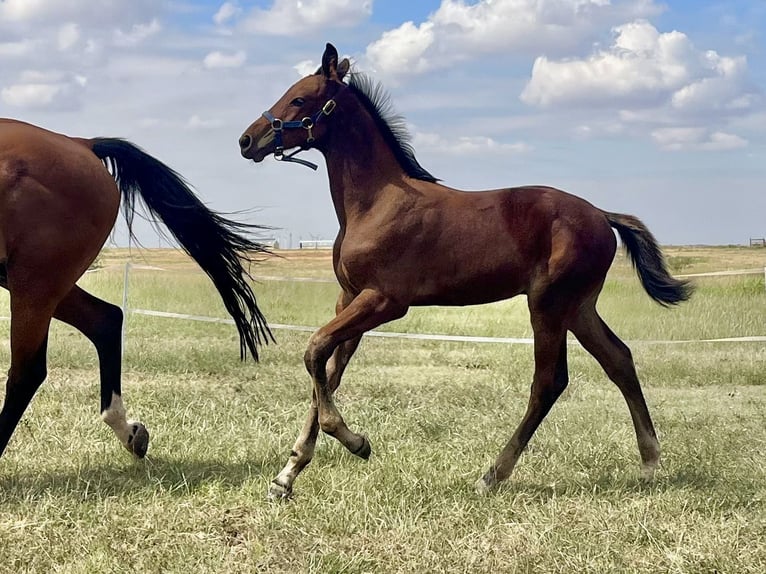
column 72, row 501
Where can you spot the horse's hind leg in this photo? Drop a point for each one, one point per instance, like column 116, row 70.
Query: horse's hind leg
column 30, row 320
column 101, row 323
column 550, row 379
column 616, row 359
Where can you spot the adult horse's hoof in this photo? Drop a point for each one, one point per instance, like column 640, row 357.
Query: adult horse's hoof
column 365, row 450
column 138, row 440
column 647, row 472
column 279, row 492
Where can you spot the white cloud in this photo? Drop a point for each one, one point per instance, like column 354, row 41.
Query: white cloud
column 306, row 68
column 642, row 68
column 16, row 12
column 598, row 128
column 138, row 68
column 640, row 64
column 15, row 49
column 403, row 50
column 220, row 60
column 30, row 95
column 226, row 12
column 297, row 17
column 465, row 145
column 723, row 141
column 724, row 89
column 68, row 36
column 137, row 34
column 696, row 138
column 458, row 31
column 35, row 89
column 197, row 123
column 22, row 10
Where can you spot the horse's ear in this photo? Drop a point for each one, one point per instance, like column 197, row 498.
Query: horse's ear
column 343, row 68
column 329, row 60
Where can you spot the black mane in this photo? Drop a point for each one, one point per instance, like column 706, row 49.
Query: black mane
column 377, row 101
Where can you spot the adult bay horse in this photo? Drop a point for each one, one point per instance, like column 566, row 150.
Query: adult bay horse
column 58, row 204
column 406, row 240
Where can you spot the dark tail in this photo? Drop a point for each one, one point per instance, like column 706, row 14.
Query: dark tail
column 217, row 244
column 647, row 259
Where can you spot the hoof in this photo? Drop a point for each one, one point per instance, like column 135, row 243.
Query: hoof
column 482, row 488
column 486, row 484
column 365, row 450
column 138, row 440
column 647, row 472
column 279, row 492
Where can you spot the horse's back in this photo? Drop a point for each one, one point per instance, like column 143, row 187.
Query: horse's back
column 56, row 197
column 445, row 246
column 550, row 236
column 44, row 152
column 535, row 218
column 573, row 242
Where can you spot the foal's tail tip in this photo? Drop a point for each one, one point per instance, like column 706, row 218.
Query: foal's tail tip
column 648, row 261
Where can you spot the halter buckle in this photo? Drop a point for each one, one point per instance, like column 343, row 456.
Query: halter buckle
column 328, row 108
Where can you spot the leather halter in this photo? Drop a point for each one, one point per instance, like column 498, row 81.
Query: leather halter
column 307, row 123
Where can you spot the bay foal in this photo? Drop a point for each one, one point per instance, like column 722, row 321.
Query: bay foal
column 407, row 240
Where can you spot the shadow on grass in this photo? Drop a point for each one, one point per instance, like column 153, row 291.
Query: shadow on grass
column 608, row 485
column 155, row 475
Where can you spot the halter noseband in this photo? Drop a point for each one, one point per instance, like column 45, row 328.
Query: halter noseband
column 306, row 123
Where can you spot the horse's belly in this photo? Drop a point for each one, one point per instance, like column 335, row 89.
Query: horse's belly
column 472, row 292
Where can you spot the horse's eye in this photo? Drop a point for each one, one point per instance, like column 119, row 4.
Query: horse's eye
column 298, row 102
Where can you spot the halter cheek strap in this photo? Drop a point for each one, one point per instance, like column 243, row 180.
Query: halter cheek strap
column 306, row 123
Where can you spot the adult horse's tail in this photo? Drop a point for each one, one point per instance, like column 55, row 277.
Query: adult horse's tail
column 646, row 256
column 217, row 244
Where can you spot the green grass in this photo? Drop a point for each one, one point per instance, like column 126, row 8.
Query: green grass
column 73, row 501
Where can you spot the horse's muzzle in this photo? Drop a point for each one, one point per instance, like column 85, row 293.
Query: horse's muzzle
column 245, row 143
column 256, row 150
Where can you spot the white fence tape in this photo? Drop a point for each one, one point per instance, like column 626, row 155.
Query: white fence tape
column 727, row 273
column 434, row 337
column 396, row 335
column 417, row 336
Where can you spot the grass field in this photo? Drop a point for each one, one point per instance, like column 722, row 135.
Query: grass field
column 437, row 413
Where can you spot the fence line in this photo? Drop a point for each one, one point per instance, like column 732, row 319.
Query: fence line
column 399, row 335
column 438, row 337
column 728, row 273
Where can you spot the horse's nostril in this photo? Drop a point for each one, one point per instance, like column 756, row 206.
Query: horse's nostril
column 245, row 141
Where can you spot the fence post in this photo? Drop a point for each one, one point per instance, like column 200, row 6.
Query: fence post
column 124, row 307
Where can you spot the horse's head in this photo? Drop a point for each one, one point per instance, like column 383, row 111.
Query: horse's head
column 299, row 118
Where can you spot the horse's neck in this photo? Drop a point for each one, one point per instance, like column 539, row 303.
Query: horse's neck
column 359, row 165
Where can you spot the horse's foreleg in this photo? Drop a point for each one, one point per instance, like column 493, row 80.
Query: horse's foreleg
column 101, row 323
column 364, row 312
column 303, row 450
column 550, row 379
column 367, row 310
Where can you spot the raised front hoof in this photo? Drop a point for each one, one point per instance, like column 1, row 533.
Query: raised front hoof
column 365, row 450
column 279, row 491
column 138, row 440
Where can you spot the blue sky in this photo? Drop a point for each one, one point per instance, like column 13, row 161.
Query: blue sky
column 640, row 106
